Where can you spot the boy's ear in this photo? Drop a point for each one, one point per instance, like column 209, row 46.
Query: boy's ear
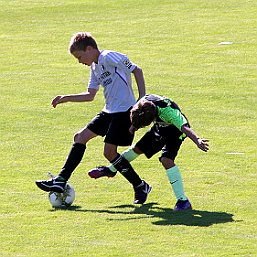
column 88, row 48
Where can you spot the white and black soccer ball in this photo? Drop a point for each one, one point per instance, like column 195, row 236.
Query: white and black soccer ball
column 62, row 200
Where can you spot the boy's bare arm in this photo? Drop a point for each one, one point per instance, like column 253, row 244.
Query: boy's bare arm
column 81, row 97
column 139, row 77
column 201, row 143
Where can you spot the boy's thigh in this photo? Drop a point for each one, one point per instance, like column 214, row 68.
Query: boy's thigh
column 118, row 131
column 150, row 144
column 166, row 139
column 171, row 136
column 100, row 124
column 171, row 148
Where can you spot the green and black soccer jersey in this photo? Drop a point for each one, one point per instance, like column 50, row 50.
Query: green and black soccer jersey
column 168, row 112
column 165, row 134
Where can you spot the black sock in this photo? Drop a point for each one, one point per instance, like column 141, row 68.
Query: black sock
column 74, row 157
column 124, row 167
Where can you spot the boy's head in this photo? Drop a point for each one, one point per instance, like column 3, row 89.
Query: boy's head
column 80, row 41
column 142, row 113
column 84, row 48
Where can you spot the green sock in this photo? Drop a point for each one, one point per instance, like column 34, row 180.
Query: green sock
column 128, row 154
column 175, row 179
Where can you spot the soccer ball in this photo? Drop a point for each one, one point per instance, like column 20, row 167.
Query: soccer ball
column 62, row 200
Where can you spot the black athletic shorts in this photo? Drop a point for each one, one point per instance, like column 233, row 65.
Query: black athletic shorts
column 168, row 139
column 114, row 126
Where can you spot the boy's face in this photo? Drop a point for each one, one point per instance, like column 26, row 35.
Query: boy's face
column 85, row 57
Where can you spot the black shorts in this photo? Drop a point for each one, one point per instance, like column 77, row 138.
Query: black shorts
column 168, row 139
column 114, row 126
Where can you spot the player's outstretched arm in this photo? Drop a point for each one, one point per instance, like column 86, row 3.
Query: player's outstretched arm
column 82, row 97
column 201, row 143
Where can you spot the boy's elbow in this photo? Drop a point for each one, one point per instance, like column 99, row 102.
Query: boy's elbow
column 90, row 95
column 90, row 98
column 183, row 128
column 137, row 70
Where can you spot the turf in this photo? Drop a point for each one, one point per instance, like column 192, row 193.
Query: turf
column 176, row 43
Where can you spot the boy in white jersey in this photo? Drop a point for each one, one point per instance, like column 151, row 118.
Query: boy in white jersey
column 112, row 70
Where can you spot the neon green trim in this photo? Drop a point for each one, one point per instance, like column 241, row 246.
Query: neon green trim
column 183, row 136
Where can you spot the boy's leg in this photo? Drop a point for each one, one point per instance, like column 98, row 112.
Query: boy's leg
column 173, row 141
column 118, row 135
column 73, row 159
column 147, row 145
column 176, row 182
column 130, row 154
column 141, row 188
column 110, row 171
column 124, row 167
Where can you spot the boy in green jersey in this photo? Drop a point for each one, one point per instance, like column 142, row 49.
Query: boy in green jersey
column 170, row 128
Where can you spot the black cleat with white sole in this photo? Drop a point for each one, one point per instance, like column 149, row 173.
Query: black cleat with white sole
column 53, row 184
column 141, row 193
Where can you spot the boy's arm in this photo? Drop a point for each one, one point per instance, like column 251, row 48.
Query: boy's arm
column 139, row 77
column 82, row 97
column 201, row 143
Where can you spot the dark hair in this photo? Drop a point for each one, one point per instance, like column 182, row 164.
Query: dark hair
column 143, row 113
column 80, row 41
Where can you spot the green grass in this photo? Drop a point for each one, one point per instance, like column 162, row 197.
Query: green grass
column 177, row 45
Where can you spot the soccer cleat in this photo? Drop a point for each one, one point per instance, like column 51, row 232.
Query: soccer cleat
column 53, row 184
column 141, row 193
column 101, row 171
column 182, row 205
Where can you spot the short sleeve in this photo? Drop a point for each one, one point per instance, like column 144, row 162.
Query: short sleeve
column 120, row 61
column 93, row 81
column 172, row 116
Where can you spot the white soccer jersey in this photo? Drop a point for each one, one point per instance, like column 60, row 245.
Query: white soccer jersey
column 113, row 72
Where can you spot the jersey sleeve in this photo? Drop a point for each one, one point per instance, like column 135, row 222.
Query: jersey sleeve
column 93, row 81
column 172, row 116
column 120, row 61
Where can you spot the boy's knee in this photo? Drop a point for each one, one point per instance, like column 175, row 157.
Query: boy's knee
column 106, row 154
column 78, row 138
column 83, row 136
column 110, row 153
column 166, row 162
column 137, row 150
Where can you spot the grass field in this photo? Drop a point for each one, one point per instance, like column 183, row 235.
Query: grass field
column 176, row 43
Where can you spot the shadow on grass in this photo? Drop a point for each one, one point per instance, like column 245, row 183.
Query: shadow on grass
column 169, row 217
column 166, row 215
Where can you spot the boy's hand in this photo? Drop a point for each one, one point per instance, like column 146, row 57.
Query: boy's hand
column 56, row 100
column 203, row 144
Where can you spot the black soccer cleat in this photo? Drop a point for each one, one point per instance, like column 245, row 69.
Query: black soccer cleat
column 53, row 184
column 141, row 193
column 101, row 171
